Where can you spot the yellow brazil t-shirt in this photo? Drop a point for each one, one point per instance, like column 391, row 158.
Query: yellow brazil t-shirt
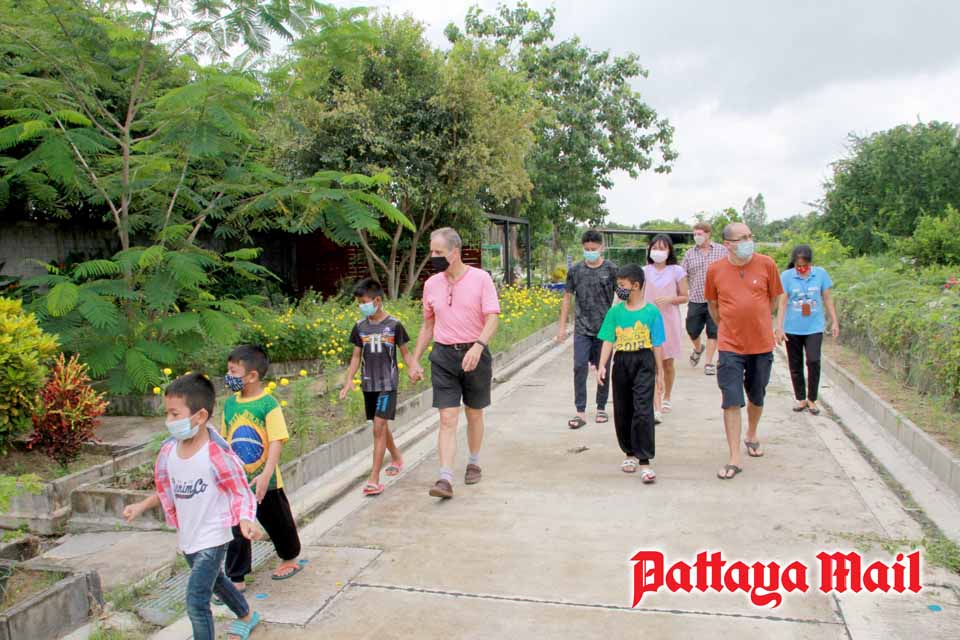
column 633, row 329
column 250, row 425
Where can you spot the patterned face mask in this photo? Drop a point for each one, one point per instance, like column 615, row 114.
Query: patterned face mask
column 623, row 293
column 234, row 383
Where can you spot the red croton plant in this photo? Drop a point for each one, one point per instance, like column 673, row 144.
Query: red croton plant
column 66, row 411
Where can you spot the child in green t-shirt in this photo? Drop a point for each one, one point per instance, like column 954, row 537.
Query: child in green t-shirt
column 253, row 424
column 634, row 329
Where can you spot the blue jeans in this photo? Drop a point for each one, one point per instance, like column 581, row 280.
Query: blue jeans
column 207, row 578
column 586, row 350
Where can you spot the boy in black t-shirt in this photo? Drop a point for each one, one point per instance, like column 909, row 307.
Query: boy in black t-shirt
column 376, row 339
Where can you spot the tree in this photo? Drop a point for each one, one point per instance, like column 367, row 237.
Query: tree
column 109, row 105
column 451, row 129
column 718, row 220
column 888, row 181
column 594, row 124
column 755, row 214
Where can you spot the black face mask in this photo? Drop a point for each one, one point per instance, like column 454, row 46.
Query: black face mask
column 622, row 293
column 439, row 263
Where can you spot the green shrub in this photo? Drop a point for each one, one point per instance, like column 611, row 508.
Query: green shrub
column 827, row 250
column 935, row 239
column 24, row 351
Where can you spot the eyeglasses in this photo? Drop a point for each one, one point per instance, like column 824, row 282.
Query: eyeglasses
column 449, row 295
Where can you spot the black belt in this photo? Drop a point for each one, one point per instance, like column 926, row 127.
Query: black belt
column 461, row 346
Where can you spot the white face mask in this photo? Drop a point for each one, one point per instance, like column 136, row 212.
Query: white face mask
column 659, row 255
column 700, row 239
column 182, row 429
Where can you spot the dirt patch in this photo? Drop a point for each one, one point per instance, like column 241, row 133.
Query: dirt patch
column 18, row 462
column 931, row 413
column 136, row 479
column 23, row 583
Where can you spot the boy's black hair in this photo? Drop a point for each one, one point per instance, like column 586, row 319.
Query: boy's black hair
column 368, row 287
column 196, row 391
column 671, row 254
column 591, row 235
column 800, row 251
column 631, row 272
column 252, row 357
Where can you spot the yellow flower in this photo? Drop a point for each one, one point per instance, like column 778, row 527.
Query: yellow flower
column 303, row 373
column 400, row 365
column 284, row 382
column 271, row 385
column 269, row 391
column 283, row 403
column 156, row 391
column 167, row 371
column 186, row 373
column 356, row 381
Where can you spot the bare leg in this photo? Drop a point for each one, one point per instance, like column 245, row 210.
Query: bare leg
column 732, row 425
column 380, row 432
column 753, row 422
column 711, row 350
column 669, row 375
column 696, row 343
column 447, row 438
column 474, row 429
column 395, row 455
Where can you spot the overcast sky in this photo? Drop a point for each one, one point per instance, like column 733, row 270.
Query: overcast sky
column 762, row 94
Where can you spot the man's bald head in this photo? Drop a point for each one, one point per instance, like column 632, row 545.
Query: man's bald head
column 736, row 231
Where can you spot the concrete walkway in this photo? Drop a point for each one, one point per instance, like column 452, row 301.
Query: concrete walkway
column 541, row 548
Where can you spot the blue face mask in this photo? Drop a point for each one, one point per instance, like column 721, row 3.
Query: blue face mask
column 591, row 256
column 234, row 383
column 367, row 309
column 182, row 429
column 744, row 249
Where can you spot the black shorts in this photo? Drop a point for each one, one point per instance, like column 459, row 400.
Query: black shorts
column 698, row 317
column 380, row 404
column 451, row 383
column 737, row 373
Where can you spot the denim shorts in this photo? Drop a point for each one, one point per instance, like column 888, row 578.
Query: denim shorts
column 738, row 373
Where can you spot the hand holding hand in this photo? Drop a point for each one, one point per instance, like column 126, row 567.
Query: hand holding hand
column 260, row 484
column 250, row 530
column 415, row 373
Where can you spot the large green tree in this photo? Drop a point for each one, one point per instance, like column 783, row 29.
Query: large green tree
column 888, row 181
column 451, row 128
column 134, row 110
column 595, row 122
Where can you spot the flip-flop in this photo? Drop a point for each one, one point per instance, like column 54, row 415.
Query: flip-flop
column 372, row 489
column 815, row 411
column 727, row 468
column 286, row 576
column 648, row 476
column 629, row 466
column 576, row 423
column 602, row 417
column 752, row 449
column 394, row 469
column 243, row 629
column 666, row 407
column 799, row 408
column 695, row 356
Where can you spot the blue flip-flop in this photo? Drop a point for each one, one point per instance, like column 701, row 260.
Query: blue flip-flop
column 243, row 629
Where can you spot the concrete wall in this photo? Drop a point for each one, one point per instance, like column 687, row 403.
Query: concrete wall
column 22, row 241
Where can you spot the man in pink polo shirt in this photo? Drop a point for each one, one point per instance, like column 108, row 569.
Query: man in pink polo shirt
column 460, row 313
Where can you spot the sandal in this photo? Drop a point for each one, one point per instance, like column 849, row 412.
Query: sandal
column 371, row 489
column 666, row 407
column 710, row 369
column 576, row 423
column 602, row 417
column 657, row 417
column 629, row 466
column 242, row 629
column 695, row 356
column 648, row 475
column 394, row 468
column 752, row 448
column 724, row 474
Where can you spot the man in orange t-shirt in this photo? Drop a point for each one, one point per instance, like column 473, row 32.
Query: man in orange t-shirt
column 742, row 292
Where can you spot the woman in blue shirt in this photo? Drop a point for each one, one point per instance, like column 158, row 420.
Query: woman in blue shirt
column 801, row 320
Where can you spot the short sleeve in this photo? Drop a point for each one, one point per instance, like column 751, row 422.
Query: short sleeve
column 776, row 287
column 679, row 273
column 710, row 288
column 657, row 333
column 276, row 426
column 355, row 337
column 489, row 302
column 783, row 279
column 827, row 282
column 571, row 283
column 427, row 306
column 223, row 424
column 400, row 335
column 608, row 330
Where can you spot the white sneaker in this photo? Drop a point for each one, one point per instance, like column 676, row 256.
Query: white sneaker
column 657, row 417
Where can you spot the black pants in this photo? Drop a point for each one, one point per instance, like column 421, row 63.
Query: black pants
column 277, row 519
column 586, row 350
column 796, row 346
column 634, row 380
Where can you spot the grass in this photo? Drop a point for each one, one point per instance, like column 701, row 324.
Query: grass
column 127, row 597
column 18, row 462
column 24, row 583
column 938, row 550
column 931, row 413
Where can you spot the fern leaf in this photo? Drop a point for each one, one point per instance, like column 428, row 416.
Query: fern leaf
column 96, row 269
column 99, row 312
column 102, row 358
column 143, row 371
column 158, row 351
column 249, row 253
column 160, row 292
column 180, row 323
column 151, row 257
column 186, row 270
column 389, row 211
column 219, row 327
column 62, row 299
